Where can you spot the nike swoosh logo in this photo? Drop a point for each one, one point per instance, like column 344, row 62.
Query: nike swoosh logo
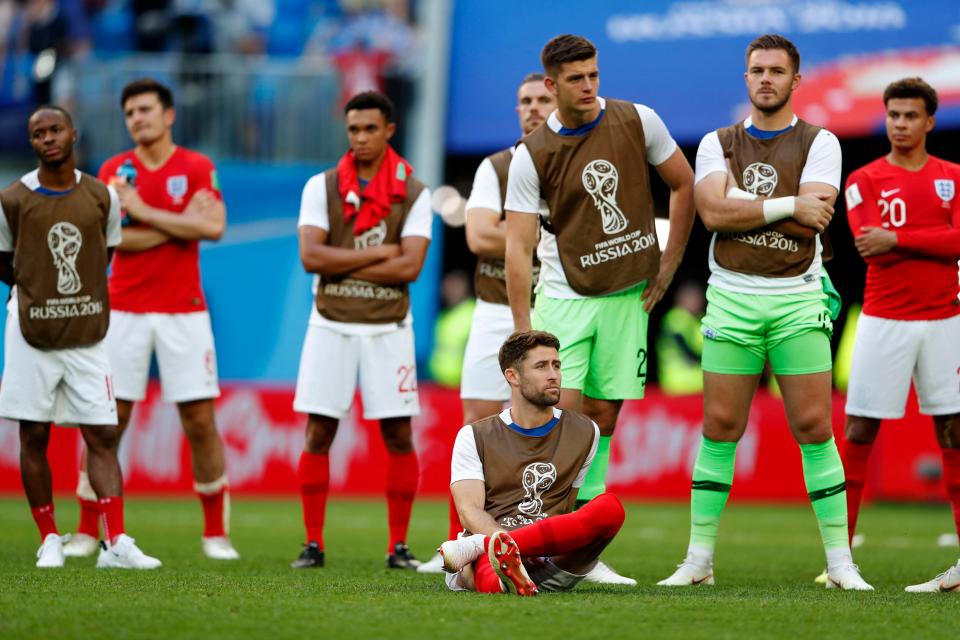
column 887, row 194
column 700, row 581
column 834, row 491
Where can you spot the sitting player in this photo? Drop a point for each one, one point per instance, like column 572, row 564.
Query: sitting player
column 519, row 471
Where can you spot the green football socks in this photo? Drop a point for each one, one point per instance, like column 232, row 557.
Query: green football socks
column 595, row 483
column 823, row 475
column 712, row 479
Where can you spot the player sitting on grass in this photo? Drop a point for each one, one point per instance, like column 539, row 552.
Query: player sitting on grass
column 519, row 471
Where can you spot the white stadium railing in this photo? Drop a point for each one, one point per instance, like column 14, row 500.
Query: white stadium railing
column 254, row 109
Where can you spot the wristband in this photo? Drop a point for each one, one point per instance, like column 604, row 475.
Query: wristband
column 778, row 208
column 736, row 193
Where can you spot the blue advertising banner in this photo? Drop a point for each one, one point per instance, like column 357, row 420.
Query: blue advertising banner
column 686, row 59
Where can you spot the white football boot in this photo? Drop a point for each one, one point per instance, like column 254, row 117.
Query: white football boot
column 604, row 574
column 856, row 542
column 948, row 581
column 50, row 553
column 124, row 554
column 847, row 577
column 459, row 553
column 79, row 545
column 433, row 565
column 219, row 548
column 690, row 572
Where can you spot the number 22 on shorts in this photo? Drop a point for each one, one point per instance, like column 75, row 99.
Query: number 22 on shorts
column 408, row 378
column 641, row 373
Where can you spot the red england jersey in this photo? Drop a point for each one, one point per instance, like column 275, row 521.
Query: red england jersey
column 166, row 278
column 918, row 279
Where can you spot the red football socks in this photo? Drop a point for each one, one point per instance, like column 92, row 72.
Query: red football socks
column 951, row 479
column 485, row 579
column 313, row 472
column 403, row 474
column 111, row 517
column 214, row 522
column 89, row 518
column 855, row 458
column 43, row 516
column 599, row 519
column 455, row 526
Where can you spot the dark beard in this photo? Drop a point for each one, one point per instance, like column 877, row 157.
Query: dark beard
column 538, row 398
column 773, row 108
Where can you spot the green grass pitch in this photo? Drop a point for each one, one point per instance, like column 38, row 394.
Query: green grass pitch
column 766, row 562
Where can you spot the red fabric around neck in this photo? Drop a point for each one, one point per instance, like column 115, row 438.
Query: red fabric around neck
column 388, row 187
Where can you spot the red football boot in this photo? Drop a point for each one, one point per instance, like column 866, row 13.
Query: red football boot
column 504, row 555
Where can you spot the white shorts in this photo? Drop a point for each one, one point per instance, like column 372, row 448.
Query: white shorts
column 887, row 353
column 185, row 354
column 65, row 386
column 482, row 378
column 331, row 362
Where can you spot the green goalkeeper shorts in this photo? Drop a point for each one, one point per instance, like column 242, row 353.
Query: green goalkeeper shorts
column 603, row 342
column 741, row 331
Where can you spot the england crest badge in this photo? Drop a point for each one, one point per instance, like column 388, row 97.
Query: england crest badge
column 945, row 189
column 177, row 187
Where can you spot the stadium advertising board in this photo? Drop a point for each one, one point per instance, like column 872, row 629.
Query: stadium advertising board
column 652, row 455
column 685, row 59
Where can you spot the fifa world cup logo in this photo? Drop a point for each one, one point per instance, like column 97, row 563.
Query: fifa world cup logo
column 64, row 240
column 372, row 237
column 760, row 179
column 537, row 478
column 600, row 179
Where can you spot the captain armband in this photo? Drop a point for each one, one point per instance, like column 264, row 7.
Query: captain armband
column 775, row 209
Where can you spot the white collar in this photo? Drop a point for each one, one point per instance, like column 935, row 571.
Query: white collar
column 32, row 180
column 749, row 122
column 507, row 418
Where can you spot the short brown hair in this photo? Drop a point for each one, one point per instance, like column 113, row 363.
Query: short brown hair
column 147, row 85
column 515, row 349
column 775, row 41
column 563, row 49
column 536, row 76
column 913, row 88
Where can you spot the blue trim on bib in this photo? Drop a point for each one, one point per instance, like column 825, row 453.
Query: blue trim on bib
column 766, row 135
column 50, row 192
column 537, row 432
column 579, row 131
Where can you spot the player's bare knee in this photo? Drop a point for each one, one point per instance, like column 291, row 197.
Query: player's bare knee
column 197, row 415
column 101, row 439
column 721, row 424
column 34, row 437
column 812, row 429
column 860, row 430
column 948, row 431
column 124, row 410
column 397, row 434
column 321, row 430
column 603, row 412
